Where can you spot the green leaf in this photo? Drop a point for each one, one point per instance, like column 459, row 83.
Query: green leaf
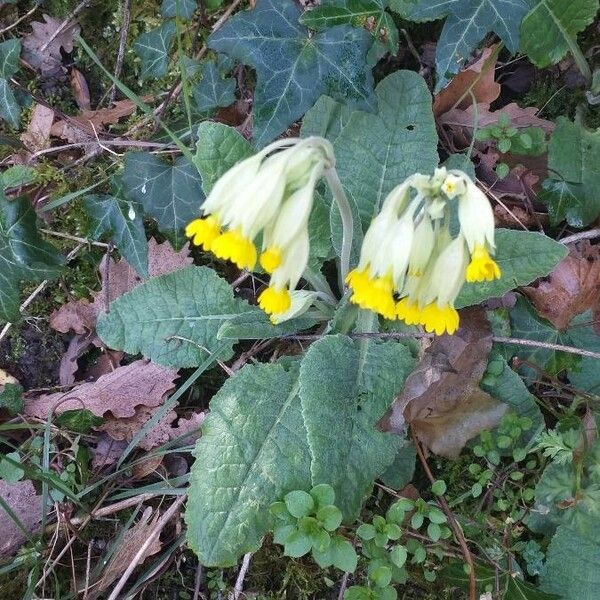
column 171, row 193
column 550, row 28
column 297, row 544
column 374, row 153
column 359, row 380
column 10, row 110
column 17, row 175
column 401, row 471
column 330, row 516
column 438, row 487
column 398, row 555
column 366, row 531
column 24, row 255
column 218, row 149
column 11, row 398
column 358, row 13
column 522, row 257
column 281, row 534
column 299, row 503
column 122, row 222
column 153, row 49
column 252, row 451
column 573, row 561
column 573, row 162
column 10, row 50
column 173, row 319
column 8, row 470
column 213, row 90
column 184, row 9
column 80, row 421
column 468, row 22
column 344, row 555
column 292, row 67
column 326, row 118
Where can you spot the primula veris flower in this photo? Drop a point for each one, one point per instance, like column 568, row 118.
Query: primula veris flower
column 271, row 195
column 410, row 266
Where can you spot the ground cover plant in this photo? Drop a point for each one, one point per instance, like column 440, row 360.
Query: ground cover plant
column 299, row 299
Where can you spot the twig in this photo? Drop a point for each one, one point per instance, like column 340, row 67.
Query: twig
column 460, row 538
column 547, row 346
column 154, row 533
column 64, row 24
column 20, row 19
column 198, row 582
column 126, row 19
column 80, row 240
column 582, row 235
column 226, row 15
column 343, row 586
column 239, row 582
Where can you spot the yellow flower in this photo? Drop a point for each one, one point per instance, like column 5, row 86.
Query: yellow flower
column 203, row 231
column 275, row 301
column 270, row 259
column 408, row 311
column 439, row 319
column 372, row 293
column 482, row 267
column 234, row 246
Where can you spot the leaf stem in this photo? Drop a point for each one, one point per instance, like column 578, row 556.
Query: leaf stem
column 335, row 185
column 580, row 60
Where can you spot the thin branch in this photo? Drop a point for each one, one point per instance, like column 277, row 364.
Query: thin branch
column 582, row 235
column 20, row 19
column 239, row 582
column 126, row 18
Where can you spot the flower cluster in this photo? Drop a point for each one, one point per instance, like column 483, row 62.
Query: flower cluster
column 412, row 264
column 268, row 196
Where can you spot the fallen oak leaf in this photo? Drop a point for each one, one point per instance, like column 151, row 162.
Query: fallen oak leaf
column 441, row 399
column 37, row 136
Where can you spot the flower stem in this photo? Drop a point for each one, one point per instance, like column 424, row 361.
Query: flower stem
column 335, row 185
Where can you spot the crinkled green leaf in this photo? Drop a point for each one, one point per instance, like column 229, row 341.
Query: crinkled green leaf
column 358, row 13
column 294, row 68
column 522, row 256
column 153, row 49
column 218, row 149
column 17, row 175
column 10, row 110
column 173, row 319
column 24, row 255
column 213, row 90
column 376, row 152
column 183, row 9
column 574, row 166
column 467, row 24
column 401, row 471
column 121, row 221
column 169, row 192
column 253, row 451
column 256, row 325
column 10, row 51
column 359, row 379
column 550, row 28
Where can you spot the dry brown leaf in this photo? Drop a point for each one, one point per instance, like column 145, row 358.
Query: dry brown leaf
column 441, row 399
column 68, row 362
column 120, row 392
column 47, row 58
column 130, row 545
column 81, row 315
column 80, row 88
column 572, row 288
column 27, row 506
column 107, row 451
column 483, row 86
column 37, row 136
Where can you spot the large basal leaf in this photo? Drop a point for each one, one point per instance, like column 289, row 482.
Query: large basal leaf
column 122, row 221
column 253, row 450
column 153, row 49
column 218, row 149
column 522, row 256
column 574, row 165
column 10, row 51
column 359, row 13
column 467, row 24
column 213, row 90
column 169, row 192
column 550, row 28
column 573, row 560
column 24, row 255
column 173, row 319
column 326, row 118
column 376, row 152
column 345, row 387
column 293, row 67
column 10, row 110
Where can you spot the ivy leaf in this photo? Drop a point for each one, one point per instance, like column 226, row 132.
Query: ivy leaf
column 24, row 255
column 550, row 28
column 10, row 110
column 184, row 9
column 574, row 162
column 359, row 380
column 359, row 13
column 467, row 24
column 292, row 67
column 169, row 192
column 253, row 451
column 9, row 57
column 173, row 319
column 376, row 152
column 218, row 149
column 522, row 256
column 213, row 91
column 122, row 221
column 153, row 49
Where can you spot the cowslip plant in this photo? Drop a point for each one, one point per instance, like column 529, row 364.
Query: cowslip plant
column 307, row 522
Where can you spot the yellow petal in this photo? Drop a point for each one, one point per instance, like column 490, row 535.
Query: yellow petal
column 440, row 319
column 482, row 267
column 203, row 231
column 237, row 248
column 270, row 259
column 274, row 301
